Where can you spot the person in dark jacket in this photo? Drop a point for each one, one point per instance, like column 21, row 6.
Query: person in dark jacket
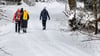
column 44, row 15
column 21, row 11
column 25, row 18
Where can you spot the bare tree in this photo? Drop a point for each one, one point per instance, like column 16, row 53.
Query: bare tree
column 95, row 15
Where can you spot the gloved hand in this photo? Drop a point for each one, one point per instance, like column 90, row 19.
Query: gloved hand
column 12, row 21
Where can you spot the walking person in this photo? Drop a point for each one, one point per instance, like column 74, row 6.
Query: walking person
column 25, row 18
column 21, row 11
column 44, row 15
column 16, row 18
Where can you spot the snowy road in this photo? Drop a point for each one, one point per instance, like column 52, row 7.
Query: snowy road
column 37, row 42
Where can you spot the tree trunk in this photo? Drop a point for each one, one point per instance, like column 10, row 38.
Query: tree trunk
column 72, row 4
column 95, row 15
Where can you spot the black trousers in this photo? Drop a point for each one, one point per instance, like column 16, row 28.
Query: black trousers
column 17, row 26
column 24, row 25
column 44, row 24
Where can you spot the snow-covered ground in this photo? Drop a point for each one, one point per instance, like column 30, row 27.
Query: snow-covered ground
column 57, row 40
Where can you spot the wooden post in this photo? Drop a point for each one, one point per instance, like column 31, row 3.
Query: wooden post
column 95, row 15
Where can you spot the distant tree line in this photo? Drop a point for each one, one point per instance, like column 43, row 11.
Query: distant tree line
column 14, row 0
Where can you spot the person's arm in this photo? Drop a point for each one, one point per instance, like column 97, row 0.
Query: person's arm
column 48, row 15
column 28, row 16
column 14, row 17
column 40, row 15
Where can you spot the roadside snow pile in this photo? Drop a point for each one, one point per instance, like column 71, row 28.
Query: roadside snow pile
column 84, row 16
column 4, row 19
column 80, row 5
column 80, row 18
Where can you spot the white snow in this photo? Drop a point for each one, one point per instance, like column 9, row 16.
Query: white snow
column 80, row 5
column 55, row 41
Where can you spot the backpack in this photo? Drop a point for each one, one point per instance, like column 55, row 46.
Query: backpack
column 44, row 13
column 25, row 15
column 17, row 16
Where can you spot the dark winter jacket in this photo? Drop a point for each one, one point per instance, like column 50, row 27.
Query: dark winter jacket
column 21, row 10
column 44, row 14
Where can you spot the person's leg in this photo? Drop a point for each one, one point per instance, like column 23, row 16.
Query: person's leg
column 21, row 24
column 24, row 30
column 19, row 27
column 24, row 26
column 16, row 27
column 43, row 24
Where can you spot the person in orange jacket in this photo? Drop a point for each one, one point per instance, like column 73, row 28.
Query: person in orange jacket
column 24, row 19
column 16, row 18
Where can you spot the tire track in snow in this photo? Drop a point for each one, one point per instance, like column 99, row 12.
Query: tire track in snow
column 45, row 48
column 64, row 47
column 33, row 45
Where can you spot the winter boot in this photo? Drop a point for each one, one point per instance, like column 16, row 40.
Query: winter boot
column 24, row 30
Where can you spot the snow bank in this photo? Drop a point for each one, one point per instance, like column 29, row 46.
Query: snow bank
column 80, row 5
